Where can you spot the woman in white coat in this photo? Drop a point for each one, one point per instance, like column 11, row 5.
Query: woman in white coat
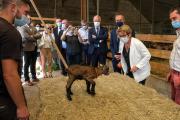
column 134, row 55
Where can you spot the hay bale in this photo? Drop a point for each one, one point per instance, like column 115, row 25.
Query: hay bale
column 118, row 98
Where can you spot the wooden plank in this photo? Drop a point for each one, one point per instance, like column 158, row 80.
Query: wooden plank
column 84, row 10
column 157, row 38
column 45, row 19
column 164, row 54
column 159, row 69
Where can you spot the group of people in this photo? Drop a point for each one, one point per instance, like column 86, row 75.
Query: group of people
column 87, row 46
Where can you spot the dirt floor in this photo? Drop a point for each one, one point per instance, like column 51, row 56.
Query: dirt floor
column 117, row 98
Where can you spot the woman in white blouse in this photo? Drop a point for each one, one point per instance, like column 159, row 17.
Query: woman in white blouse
column 134, row 55
column 45, row 52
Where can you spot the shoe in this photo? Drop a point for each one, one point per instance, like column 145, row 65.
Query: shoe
column 35, row 80
column 45, row 76
column 50, row 76
column 29, row 83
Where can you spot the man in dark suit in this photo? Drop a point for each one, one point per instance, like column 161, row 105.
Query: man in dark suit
column 114, row 43
column 58, row 31
column 98, row 42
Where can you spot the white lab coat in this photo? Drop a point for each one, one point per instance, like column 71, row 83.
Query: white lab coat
column 139, row 57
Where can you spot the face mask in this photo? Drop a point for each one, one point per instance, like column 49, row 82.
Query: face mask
column 59, row 24
column 23, row 21
column 37, row 28
column 124, row 39
column 63, row 26
column 119, row 24
column 84, row 27
column 176, row 24
column 97, row 24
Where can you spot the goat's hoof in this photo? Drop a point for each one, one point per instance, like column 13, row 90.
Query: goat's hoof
column 93, row 93
column 69, row 98
column 88, row 92
column 71, row 93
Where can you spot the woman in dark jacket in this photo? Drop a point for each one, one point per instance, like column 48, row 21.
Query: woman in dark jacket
column 73, row 50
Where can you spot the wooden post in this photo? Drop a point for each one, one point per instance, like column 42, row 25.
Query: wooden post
column 84, row 9
column 53, row 41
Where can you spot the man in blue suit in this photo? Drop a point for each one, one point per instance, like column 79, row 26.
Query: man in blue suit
column 98, row 43
column 58, row 31
column 114, row 43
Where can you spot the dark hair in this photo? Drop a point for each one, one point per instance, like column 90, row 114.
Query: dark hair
column 5, row 3
column 175, row 8
column 27, row 2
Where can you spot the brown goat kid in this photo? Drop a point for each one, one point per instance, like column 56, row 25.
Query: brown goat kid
column 87, row 73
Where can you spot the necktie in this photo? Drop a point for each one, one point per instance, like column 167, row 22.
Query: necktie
column 97, row 31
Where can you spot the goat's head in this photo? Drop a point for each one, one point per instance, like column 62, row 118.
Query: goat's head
column 104, row 69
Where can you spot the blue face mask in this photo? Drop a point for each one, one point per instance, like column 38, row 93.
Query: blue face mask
column 119, row 24
column 23, row 21
column 176, row 24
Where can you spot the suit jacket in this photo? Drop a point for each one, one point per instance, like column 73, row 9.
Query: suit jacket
column 58, row 37
column 114, row 43
column 29, row 37
column 100, row 40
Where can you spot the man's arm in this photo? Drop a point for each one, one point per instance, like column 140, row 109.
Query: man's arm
column 14, row 87
column 25, row 35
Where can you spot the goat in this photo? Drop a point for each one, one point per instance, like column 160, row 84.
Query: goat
column 87, row 73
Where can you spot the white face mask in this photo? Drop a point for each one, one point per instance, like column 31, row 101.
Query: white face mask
column 124, row 39
column 97, row 24
column 37, row 28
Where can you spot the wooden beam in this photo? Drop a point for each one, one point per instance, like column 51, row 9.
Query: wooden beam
column 163, row 54
column 84, row 10
column 45, row 19
column 157, row 38
column 160, row 69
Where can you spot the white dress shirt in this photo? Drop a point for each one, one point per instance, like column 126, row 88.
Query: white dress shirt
column 175, row 55
column 84, row 35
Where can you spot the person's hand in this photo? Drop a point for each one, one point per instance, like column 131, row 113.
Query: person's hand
column 93, row 36
column 117, row 57
column 134, row 69
column 23, row 113
column 119, row 65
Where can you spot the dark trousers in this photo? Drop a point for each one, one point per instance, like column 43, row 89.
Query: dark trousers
column 63, row 52
column 143, row 82
column 115, row 68
column 73, row 59
column 85, row 55
column 7, row 109
column 30, row 58
column 98, row 57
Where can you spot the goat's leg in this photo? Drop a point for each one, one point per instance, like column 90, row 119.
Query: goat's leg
column 88, row 87
column 68, row 88
column 92, row 87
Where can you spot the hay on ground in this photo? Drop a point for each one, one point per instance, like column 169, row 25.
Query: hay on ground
column 117, row 98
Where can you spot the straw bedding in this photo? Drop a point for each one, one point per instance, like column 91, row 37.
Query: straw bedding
column 117, row 98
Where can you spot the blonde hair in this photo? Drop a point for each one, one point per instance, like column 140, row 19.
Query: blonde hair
column 125, row 28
